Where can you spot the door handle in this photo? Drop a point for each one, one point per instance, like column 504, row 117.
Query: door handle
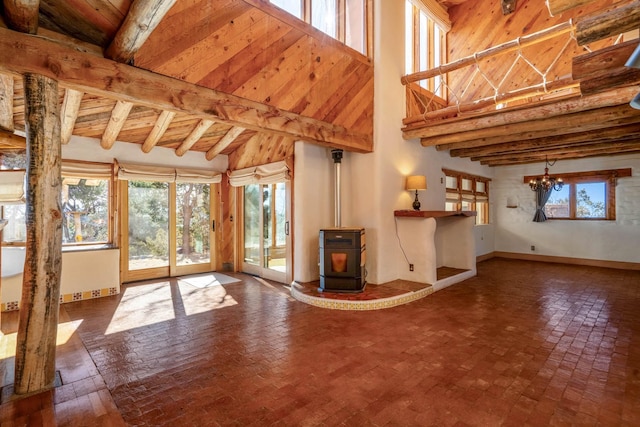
column 213, row 225
column 286, row 228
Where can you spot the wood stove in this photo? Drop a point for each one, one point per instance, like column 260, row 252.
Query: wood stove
column 342, row 260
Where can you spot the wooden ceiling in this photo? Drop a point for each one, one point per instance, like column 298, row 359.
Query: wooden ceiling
column 243, row 78
column 257, row 79
column 585, row 111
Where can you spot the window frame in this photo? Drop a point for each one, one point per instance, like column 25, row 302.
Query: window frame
column 110, row 206
column 609, row 177
column 340, row 22
column 435, row 20
column 474, row 196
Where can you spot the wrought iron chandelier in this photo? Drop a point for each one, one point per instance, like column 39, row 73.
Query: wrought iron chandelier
column 546, row 182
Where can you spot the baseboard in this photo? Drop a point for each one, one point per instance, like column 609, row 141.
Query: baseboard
column 485, row 257
column 620, row 265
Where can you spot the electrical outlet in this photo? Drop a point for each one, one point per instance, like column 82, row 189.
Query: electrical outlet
column 410, row 267
column 533, row 248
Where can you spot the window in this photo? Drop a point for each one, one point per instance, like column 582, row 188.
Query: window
column 85, row 209
column 344, row 20
column 85, row 200
column 466, row 192
column 426, row 25
column 586, row 197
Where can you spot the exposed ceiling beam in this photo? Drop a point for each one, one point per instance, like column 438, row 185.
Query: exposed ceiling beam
column 568, row 123
column 594, row 64
column 21, row 53
column 611, row 133
column 521, row 114
column 628, row 147
column 6, row 102
column 194, row 136
column 224, row 142
column 118, row 117
column 611, row 147
column 11, row 141
column 143, row 17
column 605, row 69
column 22, row 15
column 558, row 6
column 69, row 113
column 159, row 128
column 600, row 25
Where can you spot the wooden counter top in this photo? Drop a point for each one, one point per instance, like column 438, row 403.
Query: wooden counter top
column 433, row 214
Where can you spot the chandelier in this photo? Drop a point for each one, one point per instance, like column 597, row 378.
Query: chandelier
column 546, row 182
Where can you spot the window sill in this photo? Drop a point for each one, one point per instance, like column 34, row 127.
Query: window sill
column 84, row 248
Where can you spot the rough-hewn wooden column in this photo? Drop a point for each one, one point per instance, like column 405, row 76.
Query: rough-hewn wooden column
column 38, row 324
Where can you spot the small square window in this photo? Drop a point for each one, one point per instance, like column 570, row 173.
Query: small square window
column 591, row 200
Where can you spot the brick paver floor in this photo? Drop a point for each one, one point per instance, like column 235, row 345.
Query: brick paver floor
column 523, row 343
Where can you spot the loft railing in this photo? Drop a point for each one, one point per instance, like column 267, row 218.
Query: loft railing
column 424, row 106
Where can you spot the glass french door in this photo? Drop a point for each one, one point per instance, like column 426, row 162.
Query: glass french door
column 169, row 229
column 266, row 233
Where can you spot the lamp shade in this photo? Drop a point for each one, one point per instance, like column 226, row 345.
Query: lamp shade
column 634, row 59
column 416, row 182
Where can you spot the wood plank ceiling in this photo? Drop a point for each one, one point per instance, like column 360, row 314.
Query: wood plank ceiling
column 242, row 78
column 273, row 80
column 592, row 117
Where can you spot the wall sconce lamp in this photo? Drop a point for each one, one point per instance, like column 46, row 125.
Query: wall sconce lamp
column 415, row 183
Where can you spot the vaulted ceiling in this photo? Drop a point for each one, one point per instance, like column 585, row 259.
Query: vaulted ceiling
column 271, row 80
column 536, row 85
column 243, row 78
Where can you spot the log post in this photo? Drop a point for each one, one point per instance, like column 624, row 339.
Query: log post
column 38, row 320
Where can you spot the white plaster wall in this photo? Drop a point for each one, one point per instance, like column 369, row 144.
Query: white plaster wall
column 313, row 207
column 81, row 271
column 373, row 183
column 89, row 149
column 617, row 240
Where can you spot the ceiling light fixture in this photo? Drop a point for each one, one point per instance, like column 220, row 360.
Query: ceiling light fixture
column 546, row 182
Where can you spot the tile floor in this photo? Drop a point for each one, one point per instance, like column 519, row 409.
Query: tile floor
column 523, row 343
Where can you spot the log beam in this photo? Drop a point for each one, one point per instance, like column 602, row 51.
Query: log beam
column 22, row 15
column 558, row 6
column 11, row 141
column 628, row 147
column 600, row 25
column 224, row 142
column 554, row 151
column 118, row 117
column 621, row 117
column 6, row 102
column 39, row 307
column 21, row 53
column 568, row 140
column 159, row 128
column 594, row 64
column 194, row 136
column 143, row 17
column 522, row 114
column 69, row 113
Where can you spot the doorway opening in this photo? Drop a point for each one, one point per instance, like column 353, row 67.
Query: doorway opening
column 266, row 242
column 168, row 229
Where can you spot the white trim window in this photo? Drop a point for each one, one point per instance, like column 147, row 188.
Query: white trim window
column 344, row 20
column 426, row 27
